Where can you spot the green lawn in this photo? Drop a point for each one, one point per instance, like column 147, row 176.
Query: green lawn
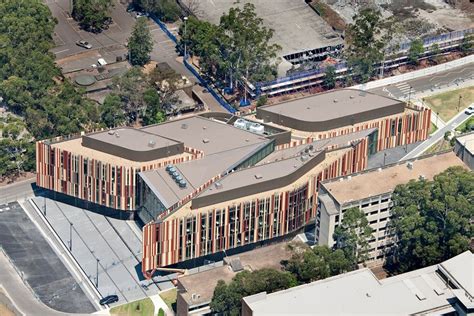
column 462, row 128
column 142, row 307
column 433, row 128
column 170, row 298
column 447, row 104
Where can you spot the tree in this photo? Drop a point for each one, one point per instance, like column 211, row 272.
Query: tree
column 416, row 51
column 352, row 235
column 435, row 53
column 92, row 15
column 112, row 113
column 227, row 297
column 140, row 43
column 166, row 10
column 238, row 47
column 467, row 43
column 317, row 263
column 330, row 77
column 432, row 220
column 365, row 46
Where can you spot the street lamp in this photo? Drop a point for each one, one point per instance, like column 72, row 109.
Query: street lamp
column 70, row 236
column 44, row 206
column 459, row 103
column 185, row 19
column 97, row 274
column 409, row 95
column 384, row 156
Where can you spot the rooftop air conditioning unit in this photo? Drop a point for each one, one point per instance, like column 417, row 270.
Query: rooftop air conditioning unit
column 151, row 143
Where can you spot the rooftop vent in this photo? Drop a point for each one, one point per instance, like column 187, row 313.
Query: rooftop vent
column 205, row 140
column 171, row 170
column 311, row 147
column 168, row 167
column 184, row 126
column 218, row 185
column 352, row 97
column 410, row 165
column 178, row 179
column 258, row 176
column 204, row 127
column 308, row 108
column 111, row 132
column 117, row 134
column 175, row 175
column 304, row 157
column 151, row 143
column 335, row 100
column 182, row 183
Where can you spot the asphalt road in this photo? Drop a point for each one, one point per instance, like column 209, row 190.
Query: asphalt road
column 39, row 265
column 449, row 77
column 438, row 135
column 18, row 191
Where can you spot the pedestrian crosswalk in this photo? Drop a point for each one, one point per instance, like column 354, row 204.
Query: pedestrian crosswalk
column 405, row 88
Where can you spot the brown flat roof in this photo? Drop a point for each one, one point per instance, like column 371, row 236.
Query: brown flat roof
column 378, row 181
column 208, row 135
column 133, row 139
column 331, row 105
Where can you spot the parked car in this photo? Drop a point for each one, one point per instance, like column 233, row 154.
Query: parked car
column 141, row 14
column 470, row 110
column 109, row 300
column 84, row 44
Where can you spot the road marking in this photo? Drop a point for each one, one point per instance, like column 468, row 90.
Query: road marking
column 62, row 51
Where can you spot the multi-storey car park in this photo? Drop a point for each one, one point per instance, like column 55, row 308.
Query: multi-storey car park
column 212, row 183
column 371, row 191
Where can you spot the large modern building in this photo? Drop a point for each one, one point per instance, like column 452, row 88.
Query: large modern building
column 215, row 182
column 442, row 289
column 371, row 192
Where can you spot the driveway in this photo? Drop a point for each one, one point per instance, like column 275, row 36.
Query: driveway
column 437, row 136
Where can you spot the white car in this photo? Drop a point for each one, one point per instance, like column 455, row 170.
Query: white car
column 470, row 110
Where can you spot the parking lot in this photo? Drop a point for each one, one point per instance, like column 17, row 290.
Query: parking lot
column 39, row 265
column 107, row 249
column 67, row 31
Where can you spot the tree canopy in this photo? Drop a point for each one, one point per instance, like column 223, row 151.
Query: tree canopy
column 317, row 263
column 432, row 220
column 353, row 235
column 92, row 15
column 416, row 51
column 140, row 43
column 364, row 43
column 30, row 83
column 238, row 46
column 227, row 297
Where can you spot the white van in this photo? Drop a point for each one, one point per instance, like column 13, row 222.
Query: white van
column 101, row 62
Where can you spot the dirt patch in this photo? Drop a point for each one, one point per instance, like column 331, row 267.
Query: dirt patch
column 23, row 176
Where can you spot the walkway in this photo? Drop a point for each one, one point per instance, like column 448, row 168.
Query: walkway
column 438, row 135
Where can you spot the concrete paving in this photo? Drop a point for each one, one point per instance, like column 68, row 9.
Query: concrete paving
column 38, row 264
column 67, row 32
column 111, row 241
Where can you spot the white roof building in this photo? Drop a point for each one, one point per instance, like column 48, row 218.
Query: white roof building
column 439, row 289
